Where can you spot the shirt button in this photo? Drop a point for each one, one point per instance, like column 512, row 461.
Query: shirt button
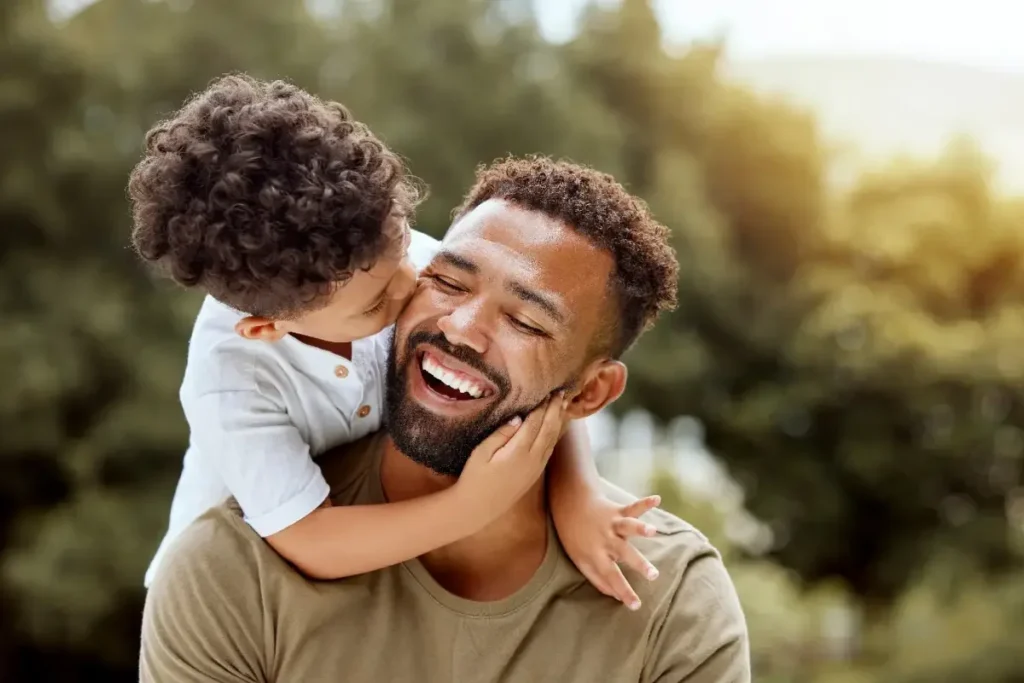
column 341, row 372
column 364, row 411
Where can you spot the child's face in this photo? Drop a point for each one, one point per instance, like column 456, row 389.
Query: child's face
column 370, row 301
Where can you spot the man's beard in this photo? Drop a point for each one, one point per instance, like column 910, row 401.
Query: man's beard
column 438, row 443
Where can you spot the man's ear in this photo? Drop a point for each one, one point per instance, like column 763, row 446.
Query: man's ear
column 602, row 383
column 260, row 329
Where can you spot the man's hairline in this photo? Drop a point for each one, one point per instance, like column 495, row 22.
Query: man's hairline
column 610, row 293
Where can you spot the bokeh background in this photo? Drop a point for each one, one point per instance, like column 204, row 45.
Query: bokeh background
column 837, row 402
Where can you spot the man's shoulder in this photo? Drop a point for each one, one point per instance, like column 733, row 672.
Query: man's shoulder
column 700, row 630
column 676, row 539
column 218, row 547
column 688, row 563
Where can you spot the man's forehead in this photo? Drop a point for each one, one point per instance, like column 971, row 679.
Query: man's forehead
column 532, row 238
column 503, row 241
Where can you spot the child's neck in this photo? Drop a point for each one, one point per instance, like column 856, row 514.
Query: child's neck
column 343, row 349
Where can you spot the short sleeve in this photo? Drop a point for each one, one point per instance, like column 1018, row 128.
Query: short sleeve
column 202, row 621
column 262, row 457
column 703, row 638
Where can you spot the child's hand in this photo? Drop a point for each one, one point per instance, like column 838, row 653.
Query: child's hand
column 511, row 460
column 595, row 534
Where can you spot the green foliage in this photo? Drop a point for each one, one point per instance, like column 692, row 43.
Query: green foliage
column 853, row 353
column 456, row 83
column 850, row 353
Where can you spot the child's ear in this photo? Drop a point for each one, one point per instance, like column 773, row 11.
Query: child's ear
column 601, row 384
column 261, row 329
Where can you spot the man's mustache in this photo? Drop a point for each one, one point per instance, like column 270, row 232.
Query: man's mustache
column 460, row 353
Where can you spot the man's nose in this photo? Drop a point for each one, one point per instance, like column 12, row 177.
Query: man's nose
column 463, row 326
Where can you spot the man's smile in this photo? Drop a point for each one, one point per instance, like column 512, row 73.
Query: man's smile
column 447, row 386
column 452, row 379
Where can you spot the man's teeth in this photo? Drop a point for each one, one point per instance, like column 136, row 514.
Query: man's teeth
column 463, row 384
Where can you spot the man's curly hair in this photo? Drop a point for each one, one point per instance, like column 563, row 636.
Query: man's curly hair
column 644, row 281
column 265, row 196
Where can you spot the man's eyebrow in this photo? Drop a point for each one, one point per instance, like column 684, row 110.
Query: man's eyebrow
column 456, row 261
column 534, row 297
column 521, row 291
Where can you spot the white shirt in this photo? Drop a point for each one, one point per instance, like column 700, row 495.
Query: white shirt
column 259, row 412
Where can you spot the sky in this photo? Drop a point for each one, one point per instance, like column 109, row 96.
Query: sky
column 983, row 33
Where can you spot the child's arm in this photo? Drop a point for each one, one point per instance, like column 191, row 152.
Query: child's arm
column 592, row 528
column 333, row 542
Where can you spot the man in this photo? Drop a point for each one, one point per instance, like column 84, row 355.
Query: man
column 549, row 273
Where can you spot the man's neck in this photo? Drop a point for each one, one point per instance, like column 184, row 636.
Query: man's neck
column 489, row 565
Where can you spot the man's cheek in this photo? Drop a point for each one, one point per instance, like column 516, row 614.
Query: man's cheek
column 425, row 304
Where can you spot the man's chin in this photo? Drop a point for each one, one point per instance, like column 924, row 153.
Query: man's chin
column 442, row 445
column 441, row 440
column 433, row 429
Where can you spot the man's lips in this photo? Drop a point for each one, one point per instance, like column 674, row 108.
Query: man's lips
column 454, row 374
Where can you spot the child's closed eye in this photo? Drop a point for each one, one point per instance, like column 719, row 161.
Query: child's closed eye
column 377, row 308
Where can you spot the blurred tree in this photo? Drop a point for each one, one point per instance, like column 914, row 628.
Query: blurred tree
column 93, row 433
column 851, row 359
column 64, row 315
column 951, row 627
column 91, row 426
column 455, row 83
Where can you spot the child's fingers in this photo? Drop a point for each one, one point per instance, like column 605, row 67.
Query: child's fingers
column 595, row 578
column 637, row 508
column 498, row 438
column 620, row 587
column 631, row 557
column 625, row 527
column 550, row 428
column 522, row 441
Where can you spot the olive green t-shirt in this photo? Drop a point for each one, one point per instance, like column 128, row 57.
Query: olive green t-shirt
column 225, row 607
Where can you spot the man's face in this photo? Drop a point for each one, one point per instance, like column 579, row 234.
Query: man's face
column 504, row 315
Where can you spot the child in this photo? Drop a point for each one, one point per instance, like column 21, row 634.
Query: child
column 293, row 219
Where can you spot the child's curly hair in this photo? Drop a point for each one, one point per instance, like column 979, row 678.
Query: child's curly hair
column 265, row 196
column 645, row 280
